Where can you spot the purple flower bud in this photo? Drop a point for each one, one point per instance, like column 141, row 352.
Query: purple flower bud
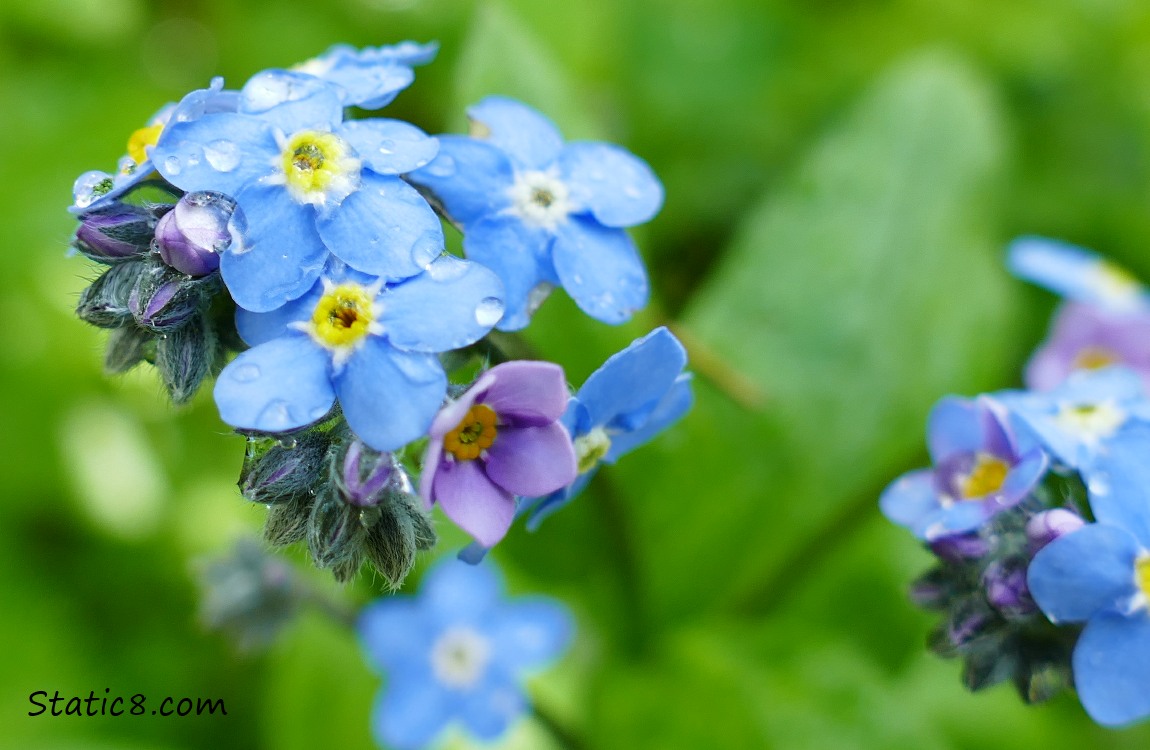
column 960, row 548
column 1006, row 589
column 1048, row 525
column 366, row 474
column 191, row 236
column 118, row 232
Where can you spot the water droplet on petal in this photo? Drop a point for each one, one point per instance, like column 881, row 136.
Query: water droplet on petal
column 223, row 155
column 387, row 146
column 172, row 165
column 317, row 413
column 246, row 373
column 447, row 268
column 443, row 166
column 275, row 416
column 426, row 249
column 489, row 311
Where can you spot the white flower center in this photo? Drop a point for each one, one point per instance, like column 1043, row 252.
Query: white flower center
column 1117, row 285
column 1090, row 422
column 460, row 656
column 540, row 199
column 591, row 448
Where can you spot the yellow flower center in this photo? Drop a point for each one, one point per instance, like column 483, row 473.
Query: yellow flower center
column 1093, row 358
column 141, row 138
column 986, row 477
column 474, row 433
column 1142, row 573
column 591, row 448
column 343, row 316
column 319, row 167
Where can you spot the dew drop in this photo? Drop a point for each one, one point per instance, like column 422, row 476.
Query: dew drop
column 275, row 416
column 387, row 146
column 223, row 155
column 172, row 165
column 317, row 413
column 447, row 268
column 246, row 373
column 489, row 311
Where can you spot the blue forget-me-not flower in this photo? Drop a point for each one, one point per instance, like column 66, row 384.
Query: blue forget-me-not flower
column 542, row 213
column 457, row 652
column 371, row 77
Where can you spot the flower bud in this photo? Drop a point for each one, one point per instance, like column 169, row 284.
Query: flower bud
column 118, row 232
column 366, row 474
column 1043, row 528
column 1006, row 588
column 248, row 594
column 105, row 302
column 191, row 236
column 334, row 533
column 283, row 473
column 185, row 357
column 957, row 549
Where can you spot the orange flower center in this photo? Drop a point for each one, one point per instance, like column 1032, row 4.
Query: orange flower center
column 474, row 433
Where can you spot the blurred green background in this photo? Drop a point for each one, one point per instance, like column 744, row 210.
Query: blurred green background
column 842, row 177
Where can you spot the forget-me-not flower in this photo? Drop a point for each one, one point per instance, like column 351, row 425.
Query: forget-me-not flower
column 501, row 439
column 1077, row 274
column 981, row 466
column 307, row 183
column 369, row 343
column 1088, row 337
column 371, row 77
column 458, row 652
column 1100, row 575
column 636, row 394
column 540, row 212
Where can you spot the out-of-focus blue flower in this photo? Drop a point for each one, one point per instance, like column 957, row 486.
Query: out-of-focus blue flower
column 371, row 77
column 636, row 394
column 541, row 213
column 370, row 344
column 306, row 182
column 1100, row 575
column 458, row 652
column 1078, row 419
column 1088, row 337
column 94, row 190
column 1077, row 274
column 981, row 467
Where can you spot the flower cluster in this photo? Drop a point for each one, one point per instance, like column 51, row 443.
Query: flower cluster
column 1038, row 504
column 289, row 242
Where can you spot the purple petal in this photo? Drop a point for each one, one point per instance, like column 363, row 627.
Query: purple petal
column 532, row 461
column 474, row 502
column 526, row 393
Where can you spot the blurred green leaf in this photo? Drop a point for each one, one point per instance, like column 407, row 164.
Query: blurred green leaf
column 855, row 296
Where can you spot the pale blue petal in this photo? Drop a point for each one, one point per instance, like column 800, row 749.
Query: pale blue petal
column 279, row 254
column 453, row 304
column 955, row 425
column 222, row 152
column 634, row 379
column 489, row 710
column 389, row 146
column 530, row 633
column 1112, row 668
column 669, row 410
column 617, row 187
column 541, row 508
column 601, row 270
column 1084, row 572
column 1119, row 483
column 256, row 328
column 455, row 592
column 395, row 633
column 530, row 139
column 1075, row 273
column 471, row 178
column 292, row 101
column 202, row 102
column 411, row 711
column 370, row 85
column 959, row 518
column 518, row 254
column 910, row 498
column 389, row 397
column 385, row 229
column 275, row 387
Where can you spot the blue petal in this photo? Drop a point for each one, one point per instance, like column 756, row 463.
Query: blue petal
column 529, row 138
column 455, row 592
column 1119, row 483
column 1075, row 273
column 531, row 632
column 955, row 425
column 601, row 270
column 394, row 632
column 256, row 328
column 518, row 254
column 634, row 379
column 403, row 53
column 389, row 146
column 389, row 397
column 385, row 229
column 618, row 187
column 669, row 410
column 202, row 102
column 372, row 86
column 490, row 709
column 540, row 508
column 279, row 255
column 959, row 518
column 277, row 386
column 1084, row 572
column 222, row 152
column 1112, row 668
column 469, row 177
column 411, row 711
column 453, row 304
column 292, row 101
column 910, row 498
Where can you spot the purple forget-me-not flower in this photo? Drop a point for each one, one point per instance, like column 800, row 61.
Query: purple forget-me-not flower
column 501, row 439
column 457, row 653
column 981, row 466
column 540, row 212
column 369, row 343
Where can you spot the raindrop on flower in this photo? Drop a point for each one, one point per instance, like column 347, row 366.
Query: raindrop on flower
column 223, row 155
column 489, row 311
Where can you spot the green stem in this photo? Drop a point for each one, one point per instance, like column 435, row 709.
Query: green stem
column 563, row 735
